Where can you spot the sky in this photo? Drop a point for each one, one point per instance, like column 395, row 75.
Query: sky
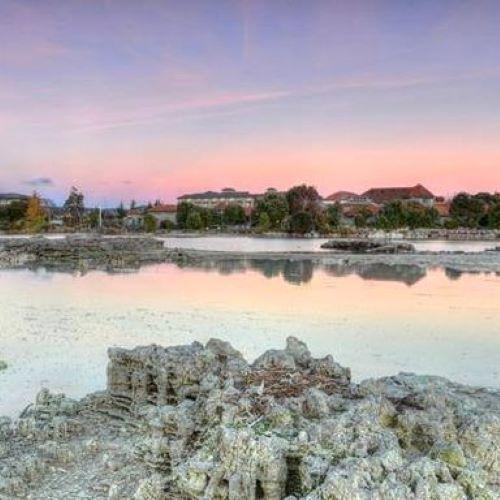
column 152, row 99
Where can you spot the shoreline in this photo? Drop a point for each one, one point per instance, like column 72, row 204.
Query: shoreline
column 122, row 253
column 454, row 235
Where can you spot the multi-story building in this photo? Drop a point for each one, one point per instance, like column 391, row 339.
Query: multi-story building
column 220, row 199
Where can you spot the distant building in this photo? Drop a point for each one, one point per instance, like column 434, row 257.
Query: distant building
column 162, row 213
column 417, row 194
column 345, row 197
column 8, row 198
column 220, row 199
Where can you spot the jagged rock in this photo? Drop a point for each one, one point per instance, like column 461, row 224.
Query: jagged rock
column 197, row 422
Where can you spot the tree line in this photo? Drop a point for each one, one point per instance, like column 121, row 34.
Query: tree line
column 299, row 211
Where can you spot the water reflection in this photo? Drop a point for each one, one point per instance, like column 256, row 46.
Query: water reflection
column 300, row 272
column 294, row 272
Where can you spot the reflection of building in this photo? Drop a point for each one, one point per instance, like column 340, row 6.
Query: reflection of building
column 218, row 200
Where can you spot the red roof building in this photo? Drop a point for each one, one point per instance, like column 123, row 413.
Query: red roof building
column 161, row 208
column 384, row 195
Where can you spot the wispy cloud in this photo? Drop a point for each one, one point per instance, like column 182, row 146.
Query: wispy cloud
column 226, row 102
column 39, row 181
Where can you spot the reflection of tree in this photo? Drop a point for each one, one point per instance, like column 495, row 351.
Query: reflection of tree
column 298, row 271
column 452, row 274
column 269, row 268
column 404, row 273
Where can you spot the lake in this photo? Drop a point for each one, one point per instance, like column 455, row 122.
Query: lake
column 267, row 244
column 377, row 319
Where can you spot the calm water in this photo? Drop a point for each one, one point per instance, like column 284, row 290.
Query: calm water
column 55, row 328
column 252, row 244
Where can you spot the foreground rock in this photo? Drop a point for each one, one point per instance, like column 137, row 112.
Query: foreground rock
column 368, row 246
column 198, row 421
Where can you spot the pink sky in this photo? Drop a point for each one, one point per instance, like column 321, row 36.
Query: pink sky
column 151, row 100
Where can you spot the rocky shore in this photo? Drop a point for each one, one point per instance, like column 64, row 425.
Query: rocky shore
column 80, row 252
column 199, row 422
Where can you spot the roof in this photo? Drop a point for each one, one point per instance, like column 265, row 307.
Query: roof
column 342, row 196
column 163, row 209
column 226, row 193
column 13, row 196
column 388, row 194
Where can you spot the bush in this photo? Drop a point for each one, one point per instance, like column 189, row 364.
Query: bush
column 167, row 225
column 301, row 223
column 194, row 221
column 234, row 215
column 264, row 223
column 150, row 223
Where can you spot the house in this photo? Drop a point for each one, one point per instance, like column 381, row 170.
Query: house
column 416, row 194
column 220, row 199
column 8, row 198
column 162, row 213
column 344, row 197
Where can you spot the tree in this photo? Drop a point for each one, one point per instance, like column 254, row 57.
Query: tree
column 194, row 221
column 93, row 218
column 301, row 223
column 150, row 223
column 234, row 215
column 121, row 211
column 264, row 224
column 494, row 216
column 303, row 198
column 275, row 205
column 392, row 216
column 35, row 215
column 74, row 208
column 13, row 215
column 467, row 210
column 333, row 213
column 418, row 216
column 183, row 210
column 362, row 217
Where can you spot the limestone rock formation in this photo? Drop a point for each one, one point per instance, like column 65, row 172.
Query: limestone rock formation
column 199, row 422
